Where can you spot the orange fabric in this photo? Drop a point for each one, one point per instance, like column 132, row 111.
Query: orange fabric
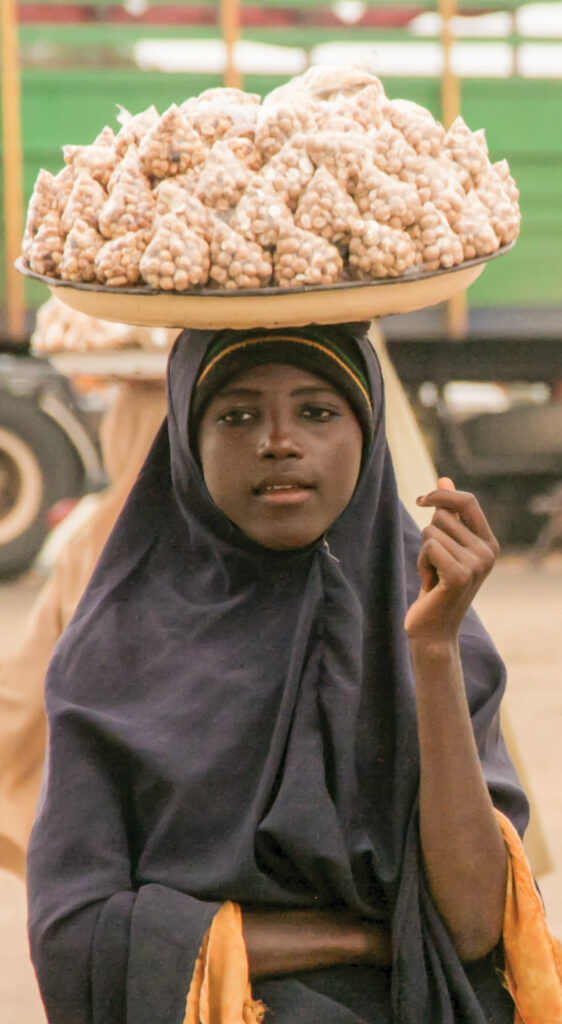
column 533, row 956
column 220, row 991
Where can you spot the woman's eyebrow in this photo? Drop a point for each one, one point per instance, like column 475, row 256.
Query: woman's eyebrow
column 314, row 389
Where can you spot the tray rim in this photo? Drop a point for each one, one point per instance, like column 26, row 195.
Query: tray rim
column 247, row 293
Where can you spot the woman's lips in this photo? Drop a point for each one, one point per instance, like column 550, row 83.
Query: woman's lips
column 283, row 493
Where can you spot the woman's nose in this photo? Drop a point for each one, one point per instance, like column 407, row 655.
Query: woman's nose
column 279, row 440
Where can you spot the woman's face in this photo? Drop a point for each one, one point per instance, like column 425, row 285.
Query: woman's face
column 281, row 452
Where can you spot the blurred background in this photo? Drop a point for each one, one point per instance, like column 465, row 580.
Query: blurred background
column 482, row 374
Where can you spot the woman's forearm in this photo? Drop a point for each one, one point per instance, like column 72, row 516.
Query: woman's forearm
column 284, row 942
column 463, row 849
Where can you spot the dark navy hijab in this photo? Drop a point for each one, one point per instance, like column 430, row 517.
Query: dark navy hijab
column 231, row 722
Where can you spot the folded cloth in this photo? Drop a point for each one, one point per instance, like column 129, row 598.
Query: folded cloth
column 220, row 991
column 533, row 956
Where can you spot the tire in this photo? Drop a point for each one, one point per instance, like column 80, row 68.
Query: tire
column 38, row 466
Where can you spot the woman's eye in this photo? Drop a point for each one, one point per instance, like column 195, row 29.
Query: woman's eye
column 319, row 413
column 235, row 417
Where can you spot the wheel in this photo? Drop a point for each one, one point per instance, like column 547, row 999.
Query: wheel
column 38, row 466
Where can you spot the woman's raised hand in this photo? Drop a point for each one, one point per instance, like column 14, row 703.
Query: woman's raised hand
column 458, row 551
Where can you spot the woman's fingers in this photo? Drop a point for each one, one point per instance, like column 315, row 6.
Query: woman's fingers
column 463, row 505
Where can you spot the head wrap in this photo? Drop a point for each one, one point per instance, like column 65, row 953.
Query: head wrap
column 323, row 352
column 233, row 722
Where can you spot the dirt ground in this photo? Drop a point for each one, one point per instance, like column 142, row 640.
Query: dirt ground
column 521, row 607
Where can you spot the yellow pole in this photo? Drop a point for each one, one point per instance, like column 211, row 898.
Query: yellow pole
column 12, row 166
column 230, row 21
column 450, row 106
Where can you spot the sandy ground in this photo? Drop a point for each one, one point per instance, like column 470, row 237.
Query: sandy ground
column 522, row 609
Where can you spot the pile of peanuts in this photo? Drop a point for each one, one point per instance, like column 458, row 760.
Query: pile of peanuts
column 60, row 328
column 324, row 180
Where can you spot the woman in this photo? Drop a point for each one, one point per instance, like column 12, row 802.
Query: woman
column 127, row 431
column 237, row 714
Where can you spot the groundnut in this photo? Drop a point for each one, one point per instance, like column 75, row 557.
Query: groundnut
column 326, row 209
column 365, row 108
column 385, row 198
column 223, row 179
column 505, row 217
column 376, row 250
column 474, row 229
column 176, row 258
column 46, row 248
column 435, row 242
column 99, row 161
column 117, row 262
column 421, row 131
column 171, row 146
column 134, row 128
column 81, row 247
column 130, row 207
column 279, row 122
column 302, row 258
column 341, row 153
column 467, row 149
column 85, row 201
column 260, row 214
column 236, row 262
column 245, row 150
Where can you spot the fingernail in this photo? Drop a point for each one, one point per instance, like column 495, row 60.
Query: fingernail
column 420, row 499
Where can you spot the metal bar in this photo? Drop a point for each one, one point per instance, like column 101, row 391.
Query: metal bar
column 230, row 22
column 450, row 107
column 12, row 167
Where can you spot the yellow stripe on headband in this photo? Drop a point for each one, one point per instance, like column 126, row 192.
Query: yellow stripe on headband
column 288, row 337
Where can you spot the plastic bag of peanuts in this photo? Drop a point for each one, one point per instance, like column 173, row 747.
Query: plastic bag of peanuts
column 278, row 122
column 376, row 250
column 130, row 205
column 260, row 214
column 213, row 121
column 223, row 178
column 384, row 198
column 176, row 257
column 421, row 131
column 85, row 201
column 467, row 149
column 46, row 248
column 365, row 108
column 172, row 198
column 341, row 153
column 99, row 161
column 501, row 168
column 505, row 217
column 118, row 261
column 326, row 209
column 290, row 170
column 435, row 242
column 236, row 262
column 302, row 258
column 474, row 229
column 134, row 128
column 45, row 197
column 79, row 254
column 171, row 146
